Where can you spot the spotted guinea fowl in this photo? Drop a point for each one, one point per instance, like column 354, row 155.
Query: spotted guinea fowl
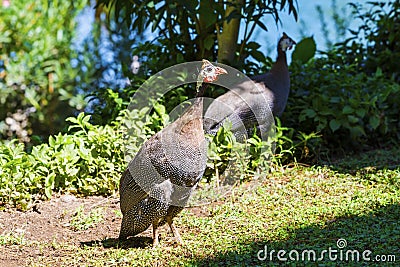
column 250, row 103
column 159, row 180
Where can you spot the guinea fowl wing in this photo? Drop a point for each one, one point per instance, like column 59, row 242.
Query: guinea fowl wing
column 244, row 106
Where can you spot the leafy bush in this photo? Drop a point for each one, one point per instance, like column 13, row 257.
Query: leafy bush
column 380, row 27
column 86, row 162
column 37, row 77
column 349, row 94
column 291, row 145
column 346, row 106
column 226, row 157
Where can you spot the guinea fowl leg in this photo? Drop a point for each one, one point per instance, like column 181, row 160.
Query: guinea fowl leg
column 155, row 234
column 174, row 230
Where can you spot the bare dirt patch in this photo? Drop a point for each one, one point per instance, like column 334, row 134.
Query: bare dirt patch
column 46, row 231
column 49, row 222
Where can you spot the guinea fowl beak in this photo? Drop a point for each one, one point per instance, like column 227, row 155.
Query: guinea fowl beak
column 220, row 71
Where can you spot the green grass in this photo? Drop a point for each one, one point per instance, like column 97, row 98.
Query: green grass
column 12, row 238
column 83, row 221
column 300, row 208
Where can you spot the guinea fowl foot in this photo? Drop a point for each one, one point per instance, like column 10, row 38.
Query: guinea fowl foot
column 155, row 234
column 175, row 231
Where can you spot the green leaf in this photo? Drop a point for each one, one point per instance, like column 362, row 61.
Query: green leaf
column 310, row 113
column 159, row 108
column 257, row 55
column 180, row 58
column 357, row 131
column 72, row 120
column 334, row 125
column 207, row 14
column 49, row 184
column 52, row 141
column 189, row 4
column 150, row 4
column 335, row 99
column 209, row 42
column 374, row 121
column 262, row 25
column 352, row 119
column 378, row 72
column 347, row 110
column 305, row 50
column 361, row 112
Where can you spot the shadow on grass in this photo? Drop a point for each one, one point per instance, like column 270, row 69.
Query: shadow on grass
column 378, row 232
column 380, row 159
column 133, row 242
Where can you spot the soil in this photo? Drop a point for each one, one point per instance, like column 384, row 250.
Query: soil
column 49, row 222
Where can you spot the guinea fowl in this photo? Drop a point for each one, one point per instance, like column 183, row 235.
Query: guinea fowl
column 249, row 104
column 159, row 180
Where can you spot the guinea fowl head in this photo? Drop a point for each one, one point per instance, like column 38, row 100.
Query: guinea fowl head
column 285, row 43
column 208, row 73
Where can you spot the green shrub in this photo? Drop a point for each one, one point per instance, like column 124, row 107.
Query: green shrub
column 291, row 146
column 346, row 106
column 37, row 78
column 87, row 161
column 349, row 95
column 242, row 161
column 380, row 28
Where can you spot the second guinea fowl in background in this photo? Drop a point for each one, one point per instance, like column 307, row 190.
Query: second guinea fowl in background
column 253, row 103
